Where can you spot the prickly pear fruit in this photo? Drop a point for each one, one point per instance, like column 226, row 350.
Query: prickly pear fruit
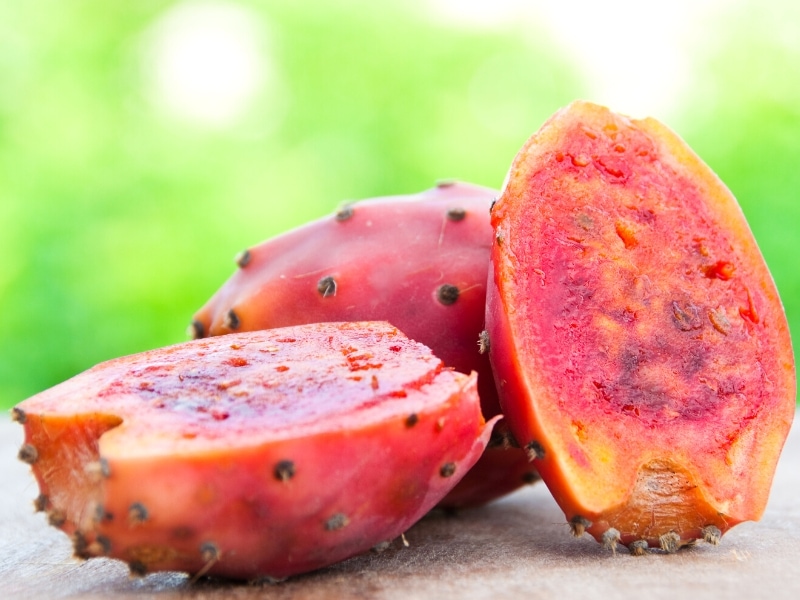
column 253, row 455
column 643, row 351
column 419, row 262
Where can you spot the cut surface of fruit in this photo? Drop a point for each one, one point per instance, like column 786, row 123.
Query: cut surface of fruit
column 418, row 261
column 642, row 350
column 252, row 455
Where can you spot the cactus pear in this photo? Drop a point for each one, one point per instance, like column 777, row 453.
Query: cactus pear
column 419, row 262
column 253, row 455
column 643, row 350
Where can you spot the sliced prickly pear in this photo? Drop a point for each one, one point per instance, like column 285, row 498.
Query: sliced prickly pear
column 419, row 262
column 260, row 454
column 643, row 353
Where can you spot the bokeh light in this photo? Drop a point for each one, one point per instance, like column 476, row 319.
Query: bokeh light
column 208, row 62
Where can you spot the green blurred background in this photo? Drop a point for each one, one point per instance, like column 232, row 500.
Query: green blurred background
column 143, row 144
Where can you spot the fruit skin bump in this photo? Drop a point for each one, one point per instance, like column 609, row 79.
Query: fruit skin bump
column 418, row 261
column 256, row 455
column 639, row 340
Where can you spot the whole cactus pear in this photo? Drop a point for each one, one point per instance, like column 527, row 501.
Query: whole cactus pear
column 254, row 455
column 643, row 351
column 419, row 262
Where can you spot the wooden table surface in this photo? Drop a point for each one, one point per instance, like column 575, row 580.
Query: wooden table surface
column 516, row 547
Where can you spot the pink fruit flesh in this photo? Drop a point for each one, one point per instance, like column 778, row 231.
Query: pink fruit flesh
column 419, row 262
column 260, row 454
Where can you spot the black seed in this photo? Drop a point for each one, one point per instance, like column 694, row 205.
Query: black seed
column 41, row 502
column 137, row 514
column 448, row 469
column 209, row 551
column 337, row 521
column 670, row 542
column 456, row 214
column 447, row 294
column 327, row 286
column 499, row 238
column 196, row 330
column 483, row 342
column 530, row 477
column 231, row 320
column 56, row 518
column 491, row 206
column 638, row 548
column 18, row 415
column 611, row 538
column 344, row 213
column 105, row 469
column 80, row 546
column 284, row 470
column 28, row 454
column 535, row 450
column 243, row 258
column 138, row 568
column 412, row 420
column 578, row 525
column 712, row 535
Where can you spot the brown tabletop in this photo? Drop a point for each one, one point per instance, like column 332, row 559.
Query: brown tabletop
column 517, row 546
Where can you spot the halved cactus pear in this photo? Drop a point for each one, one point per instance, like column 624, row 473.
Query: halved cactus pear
column 642, row 351
column 254, row 455
column 419, row 262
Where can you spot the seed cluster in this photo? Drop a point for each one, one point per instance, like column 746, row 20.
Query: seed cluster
column 448, row 469
column 284, row 470
column 336, row 522
column 327, row 286
column 243, row 258
column 344, row 213
column 535, row 450
column 578, row 525
column 484, row 344
column 28, row 454
column 447, row 294
column 231, row 320
column 137, row 514
column 456, row 214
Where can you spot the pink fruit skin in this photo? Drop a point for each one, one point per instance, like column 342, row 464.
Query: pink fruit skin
column 176, row 459
column 387, row 259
